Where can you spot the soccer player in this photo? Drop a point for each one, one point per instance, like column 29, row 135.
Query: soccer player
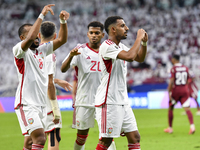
column 178, row 91
column 193, row 90
column 84, row 57
column 53, row 122
column 29, row 59
column 113, row 112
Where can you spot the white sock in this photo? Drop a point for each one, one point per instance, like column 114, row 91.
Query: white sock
column 112, row 146
column 79, row 147
column 192, row 126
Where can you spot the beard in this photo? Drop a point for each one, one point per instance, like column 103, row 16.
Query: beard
column 33, row 45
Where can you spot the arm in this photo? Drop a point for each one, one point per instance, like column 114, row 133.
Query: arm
column 66, row 64
column 143, row 49
column 63, row 32
column 133, row 52
column 169, row 88
column 64, row 84
column 32, row 34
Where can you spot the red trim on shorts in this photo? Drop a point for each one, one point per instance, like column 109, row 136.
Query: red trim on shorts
column 50, row 112
column 21, row 68
column 25, row 133
column 50, row 130
column 103, row 118
column 23, row 115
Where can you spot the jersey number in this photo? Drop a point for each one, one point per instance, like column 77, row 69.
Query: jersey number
column 41, row 63
column 181, row 78
column 95, row 66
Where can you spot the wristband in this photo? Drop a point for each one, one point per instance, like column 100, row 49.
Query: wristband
column 63, row 21
column 41, row 16
column 144, row 43
column 55, row 108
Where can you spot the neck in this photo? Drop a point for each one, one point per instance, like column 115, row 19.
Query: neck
column 114, row 39
column 94, row 46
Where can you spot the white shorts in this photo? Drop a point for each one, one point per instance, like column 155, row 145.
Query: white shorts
column 115, row 119
column 85, row 117
column 31, row 117
column 50, row 125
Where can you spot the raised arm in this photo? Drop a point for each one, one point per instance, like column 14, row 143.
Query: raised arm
column 66, row 64
column 143, row 49
column 63, row 32
column 32, row 34
column 133, row 52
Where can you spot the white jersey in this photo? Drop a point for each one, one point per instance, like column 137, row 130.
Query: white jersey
column 32, row 74
column 51, row 69
column 88, row 73
column 113, row 88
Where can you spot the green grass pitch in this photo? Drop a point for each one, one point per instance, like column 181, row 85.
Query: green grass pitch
column 150, row 123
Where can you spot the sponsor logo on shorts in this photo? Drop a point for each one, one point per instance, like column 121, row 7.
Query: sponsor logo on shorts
column 77, row 123
column 110, row 130
column 30, row 121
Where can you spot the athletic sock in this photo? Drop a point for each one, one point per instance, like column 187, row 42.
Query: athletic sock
column 79, row 147
column 190, row 116
column 37, row 147
column 170, row 117
column 80, row 142
column 135, row 146
column 112, row 146
column 101, row 147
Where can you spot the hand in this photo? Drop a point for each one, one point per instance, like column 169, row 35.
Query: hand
column 141, row 34
column 64, row 15
column 74, row 52
column 145, row 38
column 56, row 121
column 66, row 85
column 47, row 8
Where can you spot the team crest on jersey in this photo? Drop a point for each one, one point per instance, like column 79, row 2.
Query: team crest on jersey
column 30, row 121
column 77, row 123
column 116, row 47
column 110, row 130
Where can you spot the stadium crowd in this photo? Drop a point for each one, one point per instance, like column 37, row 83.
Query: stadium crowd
column 172, row 27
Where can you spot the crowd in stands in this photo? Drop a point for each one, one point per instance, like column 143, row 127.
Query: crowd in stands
column 172, row 26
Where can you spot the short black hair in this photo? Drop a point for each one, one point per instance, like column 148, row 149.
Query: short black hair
column 47, row 29
column 96, row 24
column 175, row 56
column 22, row 30
column 110, row 20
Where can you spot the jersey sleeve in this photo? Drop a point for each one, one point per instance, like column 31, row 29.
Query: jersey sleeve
column 50, row 61
column 109, row 51
column 17, row 51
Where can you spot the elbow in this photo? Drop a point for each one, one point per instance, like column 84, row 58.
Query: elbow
column 63, row 70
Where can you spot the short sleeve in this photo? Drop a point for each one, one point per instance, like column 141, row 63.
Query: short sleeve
column 109, row 51
column 17, row 51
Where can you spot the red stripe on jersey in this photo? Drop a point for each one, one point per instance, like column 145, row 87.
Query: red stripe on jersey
column 103, row 118
column 91, row 48
column 108, row 64
column 23, row 115
column 109, row 42
column 21, row 68
column 76, row 70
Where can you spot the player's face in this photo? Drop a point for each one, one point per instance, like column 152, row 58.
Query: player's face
column 95, row 35
column 121, row 29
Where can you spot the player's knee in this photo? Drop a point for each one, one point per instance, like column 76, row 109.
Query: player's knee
column 81, row 139
column 40, row 140
column 137, row 138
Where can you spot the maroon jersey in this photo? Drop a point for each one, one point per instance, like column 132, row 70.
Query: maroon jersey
column 180, row 90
